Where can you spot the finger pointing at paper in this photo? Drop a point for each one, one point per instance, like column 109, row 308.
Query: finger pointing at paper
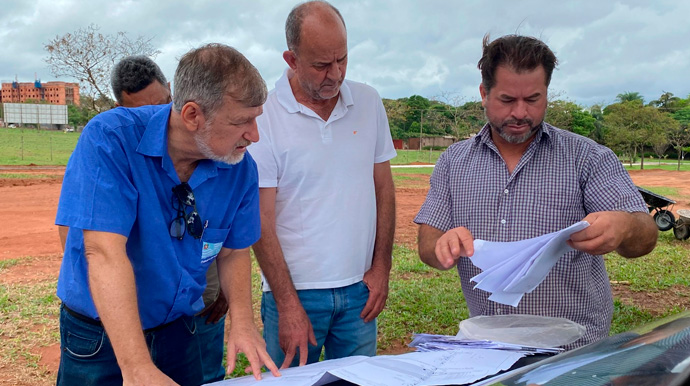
column 452, row 245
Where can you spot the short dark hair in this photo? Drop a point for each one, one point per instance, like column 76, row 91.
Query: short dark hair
column 133, row 74
column 293, row 24
column 520, row 53
column 208, row 73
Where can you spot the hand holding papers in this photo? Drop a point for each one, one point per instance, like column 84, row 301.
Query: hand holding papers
column 511, row 269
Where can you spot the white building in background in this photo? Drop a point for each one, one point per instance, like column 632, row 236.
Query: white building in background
column 21, row 114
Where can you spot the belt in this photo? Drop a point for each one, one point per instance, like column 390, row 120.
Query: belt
column 95, row 322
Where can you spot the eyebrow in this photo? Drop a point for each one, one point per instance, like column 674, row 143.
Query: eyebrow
column 508, row 96
column 320, row 63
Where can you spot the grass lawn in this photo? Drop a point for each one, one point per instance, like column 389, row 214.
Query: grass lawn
column 38, row 147
column 406, row 157
column 24, row 176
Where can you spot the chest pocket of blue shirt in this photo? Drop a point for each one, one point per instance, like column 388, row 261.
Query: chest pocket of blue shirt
column 211, row 243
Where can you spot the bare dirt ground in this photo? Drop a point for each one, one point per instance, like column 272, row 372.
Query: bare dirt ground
column 28, row 233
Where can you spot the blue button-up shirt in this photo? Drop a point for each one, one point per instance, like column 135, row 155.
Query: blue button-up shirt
column 119, row 179
column 560, row 179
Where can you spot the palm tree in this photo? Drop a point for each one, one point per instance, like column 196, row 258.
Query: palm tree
column 666, row 102
column 630, row 96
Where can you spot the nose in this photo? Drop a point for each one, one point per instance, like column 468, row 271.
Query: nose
column 334, row 72
column 519, row 110
column 252, row 133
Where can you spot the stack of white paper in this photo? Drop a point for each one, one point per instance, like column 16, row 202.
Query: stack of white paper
column 511, row 269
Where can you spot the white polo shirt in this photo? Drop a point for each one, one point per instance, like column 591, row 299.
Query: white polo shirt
column 324, row 175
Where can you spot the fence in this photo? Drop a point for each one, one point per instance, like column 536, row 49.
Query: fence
column 24, row 146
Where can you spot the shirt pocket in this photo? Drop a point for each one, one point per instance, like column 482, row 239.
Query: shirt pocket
column 557, row 207
column 211, row 243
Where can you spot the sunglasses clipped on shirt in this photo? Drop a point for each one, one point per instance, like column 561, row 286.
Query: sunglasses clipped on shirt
column 183, row 198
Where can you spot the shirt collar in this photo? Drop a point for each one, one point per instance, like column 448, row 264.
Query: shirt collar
column 287, row 99
column 154, row 142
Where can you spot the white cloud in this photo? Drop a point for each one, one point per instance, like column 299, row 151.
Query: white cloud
column 401, row 47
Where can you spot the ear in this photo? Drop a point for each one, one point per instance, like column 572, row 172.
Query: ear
column 192, row 116
column 169, row 89
column 290, row 58
column 483, row 93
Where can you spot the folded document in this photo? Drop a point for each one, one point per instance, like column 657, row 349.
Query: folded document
column 511, row 269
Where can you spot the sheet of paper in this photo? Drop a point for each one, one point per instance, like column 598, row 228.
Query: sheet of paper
column 412, row 369
column 428, row 368
column 511, row 269
column 313, row 374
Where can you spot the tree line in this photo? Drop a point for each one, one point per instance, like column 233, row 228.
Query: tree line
column 630, row 127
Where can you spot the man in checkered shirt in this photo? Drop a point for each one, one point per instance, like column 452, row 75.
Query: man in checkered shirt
column 519, row 178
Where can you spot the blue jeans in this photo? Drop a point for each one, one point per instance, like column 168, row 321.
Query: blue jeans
column 87, row 358
column 211, row 345
column 334, row 315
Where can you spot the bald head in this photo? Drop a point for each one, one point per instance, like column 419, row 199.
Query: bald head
column 311, row 14
column 317, row 52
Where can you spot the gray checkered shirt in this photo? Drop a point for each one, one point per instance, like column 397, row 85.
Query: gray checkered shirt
column 560, row 179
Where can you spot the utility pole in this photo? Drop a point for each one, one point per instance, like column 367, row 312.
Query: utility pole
column 421, row 125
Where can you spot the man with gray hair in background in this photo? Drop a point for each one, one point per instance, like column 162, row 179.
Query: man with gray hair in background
column 153, row 196
column 327, row 198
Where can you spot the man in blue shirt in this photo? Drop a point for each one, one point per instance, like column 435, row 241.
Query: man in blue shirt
column 152, row 197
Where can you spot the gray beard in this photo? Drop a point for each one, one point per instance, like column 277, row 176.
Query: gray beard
column 516, row 139
column 202, row 140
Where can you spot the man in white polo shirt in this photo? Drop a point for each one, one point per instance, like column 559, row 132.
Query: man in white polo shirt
column 327, row 198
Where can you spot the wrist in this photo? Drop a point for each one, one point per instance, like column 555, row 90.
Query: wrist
column 287, row 301
column 132, row 369
column 381, row 265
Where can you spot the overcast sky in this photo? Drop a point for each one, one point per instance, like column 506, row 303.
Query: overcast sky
column 401, row 47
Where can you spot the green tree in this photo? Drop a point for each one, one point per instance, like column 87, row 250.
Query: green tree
column 632, row 126
column 666, row 102
column 680, row 136
column 79, row 116
column 683, row 116
column 416, row 106
column 396, row 111
column 569, row 116
column 583, row 123
column 88, row 56
column 437, row 121
column 463, row 118
column 630, row 96
column 599, row 132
